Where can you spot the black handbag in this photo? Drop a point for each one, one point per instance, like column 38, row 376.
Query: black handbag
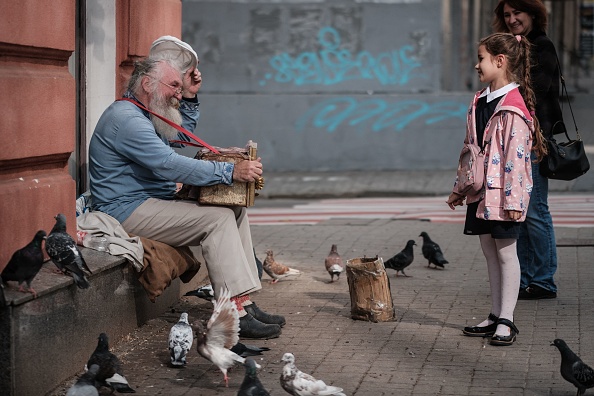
column 564, row 160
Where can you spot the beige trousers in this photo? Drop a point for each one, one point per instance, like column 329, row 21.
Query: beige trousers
column 222, row 232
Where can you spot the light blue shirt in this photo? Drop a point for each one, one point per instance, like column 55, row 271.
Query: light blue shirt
column 130, row 162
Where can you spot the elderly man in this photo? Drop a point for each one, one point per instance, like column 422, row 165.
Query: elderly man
column 133, row 174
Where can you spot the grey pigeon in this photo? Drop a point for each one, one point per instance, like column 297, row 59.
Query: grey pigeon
column 221, row 333
column 334, row 264
column 573, row 369
column 204, row 292
column 277, row 270
column 63, row 251
column 251, row 385
column 432, row 252
column 402, row 259
column 245, row 350
column 110, row 372
column 85, row 385
column 298, row 383
column 25, row 263
column 181, row 337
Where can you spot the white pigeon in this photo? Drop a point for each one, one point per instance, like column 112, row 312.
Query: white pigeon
column 298, row 383
column 221, row 334
column 181, row 337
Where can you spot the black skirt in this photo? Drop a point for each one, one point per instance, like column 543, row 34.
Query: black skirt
column 497, row 229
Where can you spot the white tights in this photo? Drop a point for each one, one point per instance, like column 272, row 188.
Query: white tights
column 504, row 278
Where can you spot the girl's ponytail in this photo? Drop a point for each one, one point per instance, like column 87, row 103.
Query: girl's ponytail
column 539, row 147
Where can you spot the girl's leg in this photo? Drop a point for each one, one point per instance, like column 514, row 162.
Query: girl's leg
column 510, row 281
column 493, row 267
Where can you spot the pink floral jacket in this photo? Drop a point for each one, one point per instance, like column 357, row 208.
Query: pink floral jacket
column 508, row 177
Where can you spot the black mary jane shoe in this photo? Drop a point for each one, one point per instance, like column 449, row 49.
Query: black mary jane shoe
column 482, row 331
column 500, row 340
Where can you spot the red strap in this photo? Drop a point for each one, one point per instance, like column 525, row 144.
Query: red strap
column 173, row 124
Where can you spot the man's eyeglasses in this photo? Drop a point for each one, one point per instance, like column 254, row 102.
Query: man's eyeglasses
column 176, row 90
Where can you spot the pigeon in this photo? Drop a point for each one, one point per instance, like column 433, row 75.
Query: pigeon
column 432, row 252
column 402, row 259
column 63, row 251
column 245, row 350
column 221, row 333
column 259, row 265
column 298, row 383
column 25, row 263
column 573, row 369
column 204, row 292
column 110, row 372
column 334, row 264
column 251, row 385
column 180, row 340
column 276, row 270
column 85, row 385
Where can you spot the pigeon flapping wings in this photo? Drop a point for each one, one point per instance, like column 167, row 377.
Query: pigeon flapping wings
column 298, row 383
column 223, row 326
column 221, row 334
column 180, row 340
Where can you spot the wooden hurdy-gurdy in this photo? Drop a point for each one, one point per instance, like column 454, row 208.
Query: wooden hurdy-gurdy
column 238, row 194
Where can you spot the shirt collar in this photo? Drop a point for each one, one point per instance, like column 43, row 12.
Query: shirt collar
column 498, row 93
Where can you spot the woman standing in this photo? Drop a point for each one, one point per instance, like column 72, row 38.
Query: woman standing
column 536, row 246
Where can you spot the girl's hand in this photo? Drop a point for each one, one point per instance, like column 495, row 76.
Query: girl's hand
column 454, row 200
column 514, row 214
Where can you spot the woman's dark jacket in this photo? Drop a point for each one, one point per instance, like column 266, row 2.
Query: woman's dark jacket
column 545, row 80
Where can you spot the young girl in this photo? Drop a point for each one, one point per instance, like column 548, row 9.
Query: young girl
column 501, row 121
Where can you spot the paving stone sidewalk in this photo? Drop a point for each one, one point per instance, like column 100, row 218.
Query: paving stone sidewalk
column 420, row 353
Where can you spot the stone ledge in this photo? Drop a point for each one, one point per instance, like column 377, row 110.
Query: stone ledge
column 59, row 328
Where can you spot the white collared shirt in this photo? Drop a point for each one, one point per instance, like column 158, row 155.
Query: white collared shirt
column 498, row 93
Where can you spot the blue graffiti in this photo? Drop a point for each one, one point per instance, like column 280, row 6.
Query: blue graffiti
column 333, row 65
column 379, row 114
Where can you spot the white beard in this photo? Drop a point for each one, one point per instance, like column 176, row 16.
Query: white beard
column 168, row 110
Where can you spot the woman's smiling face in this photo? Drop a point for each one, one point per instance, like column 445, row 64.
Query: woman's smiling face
column 518, row 22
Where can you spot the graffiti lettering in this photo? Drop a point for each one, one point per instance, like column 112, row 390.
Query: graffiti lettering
column 333, row 65
column 378, row 114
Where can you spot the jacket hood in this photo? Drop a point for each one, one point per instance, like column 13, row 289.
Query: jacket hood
column 513, row 101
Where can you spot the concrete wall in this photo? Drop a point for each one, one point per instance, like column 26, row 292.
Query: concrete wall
column 325, row 85
column 349, row 85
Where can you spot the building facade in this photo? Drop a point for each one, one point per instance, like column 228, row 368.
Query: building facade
column 61, row 63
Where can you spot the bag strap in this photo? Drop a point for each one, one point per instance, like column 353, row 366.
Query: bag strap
column 564, row 92
column 201, row 142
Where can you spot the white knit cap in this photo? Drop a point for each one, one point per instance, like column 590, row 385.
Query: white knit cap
column 173, row 48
